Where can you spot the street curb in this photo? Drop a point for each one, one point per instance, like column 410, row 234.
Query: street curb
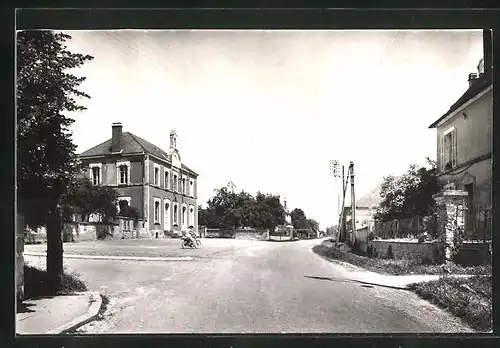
column 91, row 314
column 103, row 257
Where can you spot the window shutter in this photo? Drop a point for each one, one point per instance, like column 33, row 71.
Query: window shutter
column 440, row 154
column 454, row 148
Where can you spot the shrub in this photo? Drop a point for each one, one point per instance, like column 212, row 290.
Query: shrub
column 390, row 253
column 37, row 283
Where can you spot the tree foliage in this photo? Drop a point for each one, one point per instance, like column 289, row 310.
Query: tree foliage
column 299, row 219
column 409, row 194
column 46, row 161
column 84, row 198
column 230, row 210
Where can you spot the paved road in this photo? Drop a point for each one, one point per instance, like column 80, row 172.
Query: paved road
column 250, row 287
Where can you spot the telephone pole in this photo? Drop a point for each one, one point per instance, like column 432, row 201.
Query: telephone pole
column 353, row 202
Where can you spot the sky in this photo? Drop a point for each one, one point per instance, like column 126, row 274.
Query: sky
column 268, row 110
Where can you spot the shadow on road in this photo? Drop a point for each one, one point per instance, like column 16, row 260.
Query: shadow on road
column 24, row 308
column 364, row 284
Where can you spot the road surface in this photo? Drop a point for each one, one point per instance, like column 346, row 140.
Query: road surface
column 248, row 287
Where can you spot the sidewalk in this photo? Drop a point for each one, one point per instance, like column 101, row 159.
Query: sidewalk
column 391, row 281
column 104, row 257
column 58, row 314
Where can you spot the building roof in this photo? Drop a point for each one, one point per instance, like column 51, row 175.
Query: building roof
column 131, row 144
column 479, row 85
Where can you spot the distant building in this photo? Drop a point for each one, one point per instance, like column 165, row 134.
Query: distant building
column 154, row 181
column 464, row 137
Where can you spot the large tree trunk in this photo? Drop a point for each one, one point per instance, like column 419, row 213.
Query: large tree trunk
column 54, row 248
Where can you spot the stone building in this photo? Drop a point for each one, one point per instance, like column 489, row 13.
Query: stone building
column 156, row 182
column 464, row 139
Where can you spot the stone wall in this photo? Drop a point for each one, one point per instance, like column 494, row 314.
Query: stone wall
column 252, row 235
column 237, row 234
column 450, row 219
column 77, row 232
column 411, row 250
column 20, row 257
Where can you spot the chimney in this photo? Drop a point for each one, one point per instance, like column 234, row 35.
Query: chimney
column 487, row 52
column 116, row 134
column 472, row 78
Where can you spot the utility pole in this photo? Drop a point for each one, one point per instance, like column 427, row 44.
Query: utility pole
column 353, row 201
column 334, row 170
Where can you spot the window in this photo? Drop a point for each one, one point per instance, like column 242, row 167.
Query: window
column 184, row 186
column 175, row 214
column 95, row 173
column 191, row 188
column 174, row 183
column 191, row 215
column 122, row 203
column 180, row 184
column 123, row 172
column 183, row 217
column 157, row 210
column 167, row 177
column 156, row 178
column 449, row 150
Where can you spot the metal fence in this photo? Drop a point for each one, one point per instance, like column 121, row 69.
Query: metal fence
column 478, row 224
column 410, row 227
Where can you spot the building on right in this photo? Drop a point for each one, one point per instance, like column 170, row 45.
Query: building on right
column 464, row 143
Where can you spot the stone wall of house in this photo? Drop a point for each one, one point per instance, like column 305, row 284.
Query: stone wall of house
column 410, row 250
column 20, row 257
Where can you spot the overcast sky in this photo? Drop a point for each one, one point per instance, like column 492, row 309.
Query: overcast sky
column 269, row 109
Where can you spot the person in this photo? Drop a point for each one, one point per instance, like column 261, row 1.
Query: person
column 187, row 235
column 193, row 234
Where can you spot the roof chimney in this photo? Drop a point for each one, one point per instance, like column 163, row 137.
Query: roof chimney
column 472, row 78
column 487, row 52
column 116, row 134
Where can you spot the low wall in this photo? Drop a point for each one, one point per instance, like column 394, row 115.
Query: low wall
column 251, row 235
column 473, row 254
column 237, row 234
column 75, row 232
column 407, row 249
column 20, row 257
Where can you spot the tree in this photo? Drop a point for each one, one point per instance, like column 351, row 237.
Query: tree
column 299, row 219
column 313, row 224
column 227, row 209
column 125, row 210
column 269, row 212
column 332, row 230
column 46, row 154
column 409, row 194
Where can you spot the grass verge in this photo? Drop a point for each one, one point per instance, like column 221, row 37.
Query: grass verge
column 37, row 283
column 394, row 267
column 467, row 298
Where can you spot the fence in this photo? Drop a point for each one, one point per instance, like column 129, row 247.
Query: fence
column 408, row 228
column 478, row 224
